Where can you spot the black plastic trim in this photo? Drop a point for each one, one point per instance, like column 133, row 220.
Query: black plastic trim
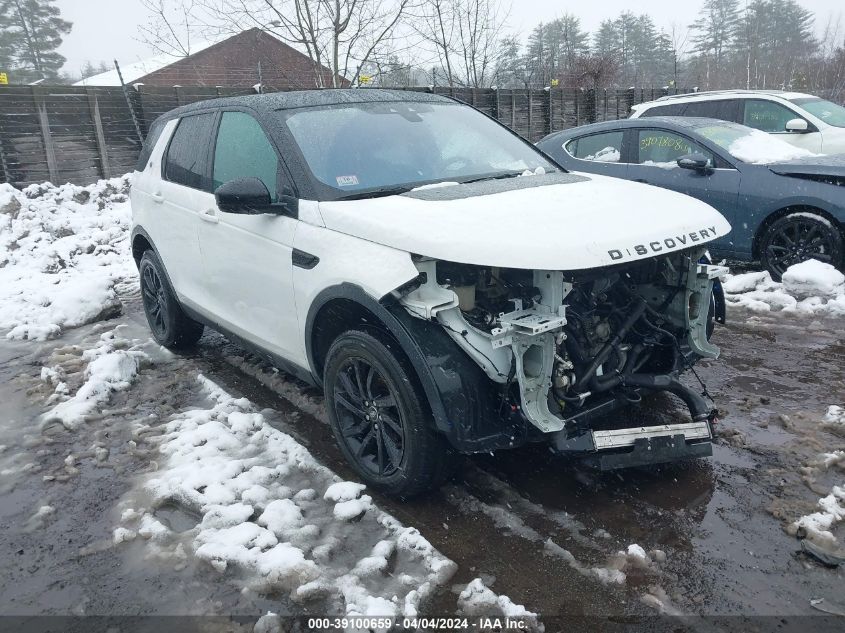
column 301, row 259
column 467, row 408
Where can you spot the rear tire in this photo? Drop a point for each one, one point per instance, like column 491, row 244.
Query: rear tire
column 380, row 417
column 797, row 237
column 170, row 326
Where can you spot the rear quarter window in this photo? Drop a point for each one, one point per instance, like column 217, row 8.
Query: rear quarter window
column 187, row 155
column 605, row 147
column 670, row 109
column 149, row 144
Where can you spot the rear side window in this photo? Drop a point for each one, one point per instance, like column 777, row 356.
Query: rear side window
column 671, row 109
column 185, row 163
column 602, row 148
column 723, row 109
column 243, row 150
column 149, row 144
column 767, row 115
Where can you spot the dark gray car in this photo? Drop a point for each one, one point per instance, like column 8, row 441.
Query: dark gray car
column 785, row 204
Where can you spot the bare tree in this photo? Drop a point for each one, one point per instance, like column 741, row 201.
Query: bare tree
column 596, row 69
column 172, row 23
column 466, row 36
column 338, row 36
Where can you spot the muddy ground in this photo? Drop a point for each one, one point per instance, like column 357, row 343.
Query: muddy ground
column 719, row 523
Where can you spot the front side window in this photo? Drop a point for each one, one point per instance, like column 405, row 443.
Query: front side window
column 767, row 116
column 243, row 150
column 369, row 146
column 662, row 148
column 602, row 148
column 829, row 112
column 185, row 163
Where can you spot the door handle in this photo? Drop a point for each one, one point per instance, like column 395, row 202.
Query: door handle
column 641, row 180
column 210, row 216
column 158, row 198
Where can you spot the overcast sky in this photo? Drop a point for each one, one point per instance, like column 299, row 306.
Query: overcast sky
column 108, row 29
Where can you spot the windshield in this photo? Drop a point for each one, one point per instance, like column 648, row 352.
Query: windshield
column 397, row 146
column 827, row 111
column 749, row 145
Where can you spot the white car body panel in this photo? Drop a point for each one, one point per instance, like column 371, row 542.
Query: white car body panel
column 828, row 140
column 375, row 268
column 569, row 226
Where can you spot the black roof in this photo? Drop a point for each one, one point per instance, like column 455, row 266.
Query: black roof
column 311, row 98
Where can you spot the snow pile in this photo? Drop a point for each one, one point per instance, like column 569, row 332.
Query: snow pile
column 818, row 526
column 623, row 562
column 269, row 509
column 606, row 155
column 478, row 600
column 761, row 148
column 808, row 288
column 111, row 367
column 62, row 249
column 835, row 415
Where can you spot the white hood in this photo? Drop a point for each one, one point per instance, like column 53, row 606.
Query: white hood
column 595, row 222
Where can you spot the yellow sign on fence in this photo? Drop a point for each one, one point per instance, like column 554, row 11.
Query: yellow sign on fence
column 4, row 79
column 364, row 79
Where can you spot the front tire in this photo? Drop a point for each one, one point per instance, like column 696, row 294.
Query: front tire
column 379, row 417
column 797, row 237
column 168, row 323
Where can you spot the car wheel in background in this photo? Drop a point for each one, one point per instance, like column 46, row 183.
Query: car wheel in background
column 170, row 326
column 379, row 417
column 797, row 237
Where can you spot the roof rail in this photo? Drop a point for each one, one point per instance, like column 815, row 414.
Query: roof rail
column 719, row 92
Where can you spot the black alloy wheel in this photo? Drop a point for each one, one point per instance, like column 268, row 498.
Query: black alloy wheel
column 381, row 418
column 155, row 301
column 798, row 237
column 369, row 417
column 170, row 326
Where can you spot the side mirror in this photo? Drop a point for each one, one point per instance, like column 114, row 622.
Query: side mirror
column 798, row 126
column 695, row 161
column 243, row 195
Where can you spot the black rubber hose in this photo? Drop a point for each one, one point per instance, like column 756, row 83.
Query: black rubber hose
column 699, row 410
column 603, row 383
column 604, row 352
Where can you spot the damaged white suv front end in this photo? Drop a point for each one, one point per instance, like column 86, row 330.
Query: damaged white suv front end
column 450, row 288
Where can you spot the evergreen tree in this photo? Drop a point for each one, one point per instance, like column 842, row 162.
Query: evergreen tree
column 32, row 31
column 714, row 33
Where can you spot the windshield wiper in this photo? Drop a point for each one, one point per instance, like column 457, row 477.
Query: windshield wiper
column 375, row 193
column 499, row 176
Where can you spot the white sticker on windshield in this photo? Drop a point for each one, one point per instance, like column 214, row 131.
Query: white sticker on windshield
column 347, row 181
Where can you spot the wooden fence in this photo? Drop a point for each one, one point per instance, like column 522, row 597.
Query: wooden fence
column 80, row 134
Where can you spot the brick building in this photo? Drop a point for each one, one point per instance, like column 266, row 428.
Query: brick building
column 239, row 61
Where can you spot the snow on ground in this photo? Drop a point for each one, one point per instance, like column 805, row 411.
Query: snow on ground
column 808, row 288
column 62, row 250
column 819, row 525
column 268, row 509
column 112, row 365
column 479, row 600
column 835, row 415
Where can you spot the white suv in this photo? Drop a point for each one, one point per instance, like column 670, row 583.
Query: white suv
column 800, row 119
column 451, row 289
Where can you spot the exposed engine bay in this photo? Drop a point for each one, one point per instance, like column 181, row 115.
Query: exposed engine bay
column 567, row 347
